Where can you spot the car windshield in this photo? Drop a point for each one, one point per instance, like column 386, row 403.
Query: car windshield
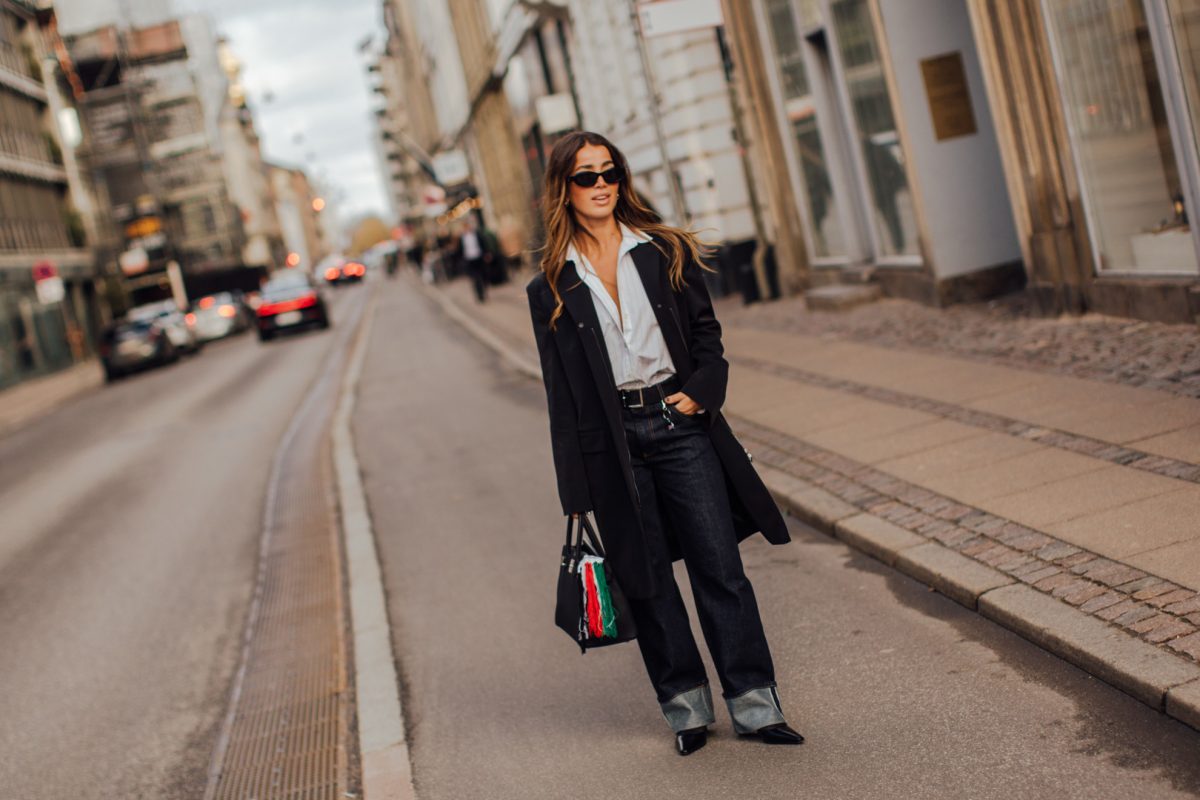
column 152, row 312
column 126, row 330
column 285, row 286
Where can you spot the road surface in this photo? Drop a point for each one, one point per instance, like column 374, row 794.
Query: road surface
column 130, row 522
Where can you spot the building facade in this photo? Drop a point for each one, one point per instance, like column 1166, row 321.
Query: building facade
column 299, row 210
column 246, row 172
column 49, row 303
column 669, row 101
column 152, row 101
column 419, row 61
column 952, row 150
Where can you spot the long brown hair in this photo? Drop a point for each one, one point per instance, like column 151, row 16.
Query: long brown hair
column 676, row 244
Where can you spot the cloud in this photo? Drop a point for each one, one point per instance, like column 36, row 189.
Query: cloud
column 303, row 55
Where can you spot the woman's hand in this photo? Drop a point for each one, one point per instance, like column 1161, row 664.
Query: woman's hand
column 683, row 404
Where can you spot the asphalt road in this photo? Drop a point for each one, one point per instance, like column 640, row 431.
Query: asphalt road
column 129, row 533
column 901, row 692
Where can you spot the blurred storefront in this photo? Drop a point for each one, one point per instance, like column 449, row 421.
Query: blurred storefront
column 1100, row 109
column 955, row 149
column 889, row 145
column 48, row 297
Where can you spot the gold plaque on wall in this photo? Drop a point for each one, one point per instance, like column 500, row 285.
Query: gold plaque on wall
column 949, row 96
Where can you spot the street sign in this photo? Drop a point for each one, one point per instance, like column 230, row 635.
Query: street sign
column 42, row 270
column 451, row 167
column 662, row 17
column 48, row 283
column 143, row 226
column 134, row 261
column 50, row 291
column 556, row 113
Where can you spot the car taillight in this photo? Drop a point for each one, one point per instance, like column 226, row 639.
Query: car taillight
column 207, row 302
column 332, row 274
column 190, row 318
column 226, row 311
column 271, row 309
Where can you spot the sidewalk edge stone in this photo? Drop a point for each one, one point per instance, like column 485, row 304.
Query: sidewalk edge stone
column 382, row 731
column 1183, row 703
column 806, row 502
column 961, row 579
column 1135, row 667
column 876, row 537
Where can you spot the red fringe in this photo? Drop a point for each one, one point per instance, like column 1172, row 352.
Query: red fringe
column 595, row 623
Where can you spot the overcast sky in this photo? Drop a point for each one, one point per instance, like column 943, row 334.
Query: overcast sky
column 306, row 81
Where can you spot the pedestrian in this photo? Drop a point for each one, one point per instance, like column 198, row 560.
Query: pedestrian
column 474, row 258
column 635, row 378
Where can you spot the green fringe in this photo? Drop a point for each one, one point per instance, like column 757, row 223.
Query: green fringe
column 607, row 613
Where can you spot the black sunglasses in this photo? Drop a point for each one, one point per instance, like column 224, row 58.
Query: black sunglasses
column 588, row 179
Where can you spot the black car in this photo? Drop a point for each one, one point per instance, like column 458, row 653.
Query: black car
column 290, row 302
column 130, row 345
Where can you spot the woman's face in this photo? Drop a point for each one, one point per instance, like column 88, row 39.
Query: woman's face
column 593, row 202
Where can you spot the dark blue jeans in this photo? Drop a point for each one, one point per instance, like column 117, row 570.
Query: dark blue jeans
column 679, row 478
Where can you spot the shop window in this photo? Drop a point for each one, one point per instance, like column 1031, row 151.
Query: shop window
column 1120, row 133
column 799, row 107
column 894, row 219
column 1185, row 27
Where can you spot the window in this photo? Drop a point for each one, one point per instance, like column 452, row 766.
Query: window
column 823, row 224
column 1112, row 90
column 894, row 219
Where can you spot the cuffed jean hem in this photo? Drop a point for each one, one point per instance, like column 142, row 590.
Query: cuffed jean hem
column 755, row 709
column 690, row 709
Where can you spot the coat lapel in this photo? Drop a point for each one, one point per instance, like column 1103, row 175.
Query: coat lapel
column 581, row 308
column 577, row 299
column 648, row 261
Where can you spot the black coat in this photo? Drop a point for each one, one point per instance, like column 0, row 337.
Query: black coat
column 591, row 457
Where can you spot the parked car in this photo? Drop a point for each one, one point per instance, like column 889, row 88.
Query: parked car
column 219, row 315
column 339, row 271
column 130, row 345
column 290, row 302
column 181, row 332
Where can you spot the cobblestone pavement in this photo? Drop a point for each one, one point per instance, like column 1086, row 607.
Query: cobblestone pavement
column 1005, row 331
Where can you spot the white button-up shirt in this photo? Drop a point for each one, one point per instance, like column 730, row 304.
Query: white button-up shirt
column 635, row 344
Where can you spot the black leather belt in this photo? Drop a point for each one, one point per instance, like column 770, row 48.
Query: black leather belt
column 649, row 395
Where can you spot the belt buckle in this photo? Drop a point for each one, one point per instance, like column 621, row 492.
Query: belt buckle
column 641, row 403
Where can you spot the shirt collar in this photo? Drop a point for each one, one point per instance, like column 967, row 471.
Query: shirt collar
column 629, row 240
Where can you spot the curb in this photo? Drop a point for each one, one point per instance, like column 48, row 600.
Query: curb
column 1162, row 681
column 1167, row 683
column 382, row 742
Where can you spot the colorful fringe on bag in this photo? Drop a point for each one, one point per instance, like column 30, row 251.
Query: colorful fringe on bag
column 601, row 618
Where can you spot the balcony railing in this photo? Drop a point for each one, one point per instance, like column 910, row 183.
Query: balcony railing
column 18, row 60
column 24, row 234
column 30, row 145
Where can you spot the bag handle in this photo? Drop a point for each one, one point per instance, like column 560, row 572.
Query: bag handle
column 593, row 538
column 583, row 530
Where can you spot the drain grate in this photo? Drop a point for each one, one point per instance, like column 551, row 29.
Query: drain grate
column 288, row 731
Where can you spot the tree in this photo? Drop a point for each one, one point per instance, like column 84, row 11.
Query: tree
column 371, row 231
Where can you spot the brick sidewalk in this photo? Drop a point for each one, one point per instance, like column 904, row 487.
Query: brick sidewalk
column 1086, row 490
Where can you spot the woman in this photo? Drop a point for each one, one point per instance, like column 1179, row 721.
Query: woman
column 635, row 378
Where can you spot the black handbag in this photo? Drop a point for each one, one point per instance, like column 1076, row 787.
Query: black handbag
column 591, row 607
